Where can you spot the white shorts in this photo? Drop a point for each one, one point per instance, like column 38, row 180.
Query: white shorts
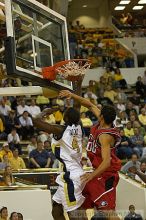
column 69, row 192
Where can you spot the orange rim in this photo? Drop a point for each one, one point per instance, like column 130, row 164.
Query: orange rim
column 50, row 72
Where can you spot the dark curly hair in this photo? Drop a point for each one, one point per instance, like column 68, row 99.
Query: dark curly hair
column 71, row 116
column 109, row 114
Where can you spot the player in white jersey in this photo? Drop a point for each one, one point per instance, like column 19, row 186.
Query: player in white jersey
column 67, row 147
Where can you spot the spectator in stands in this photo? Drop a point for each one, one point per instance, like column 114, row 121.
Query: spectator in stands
column 39, row 158
column 136, row 124
column 109, row 93
column 140, row 88
column 41, row 101
column 22, row 107
column 121, row 95
column 3, row 135
column 8, row 177
column 133, row 162
column 32, row 145
column 43, row 136
column 102, row 84
column 7, row 101
column 123, row 118
column 129, row 19
column 123, row 19
column 142, row 117
column 6, row 151
column 135, row 99
column 86, row 123
column 119, row 80
column 34, row 109
column 72, row 43
column 93, row 86
column 47, row 147
column 137, row 142
column 16, row 162
column 124, row 150
column 59, row 115
column 79, row 26
column 130, row 108
column 132, row 215
column 14, row 216
column 110, row 82
column 27, row 129
column 142, row 170
column 90, row 95
column 133, row 118
column 4, row 109
column 4, row 213
column 12, row 121
column 107, row 74
column 121, row 106
column 14, row 140
column 117, row 123
column 4, row 162
column 20, row 216
column 50, row 119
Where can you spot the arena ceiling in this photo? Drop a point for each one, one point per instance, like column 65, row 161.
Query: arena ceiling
column 77, row 4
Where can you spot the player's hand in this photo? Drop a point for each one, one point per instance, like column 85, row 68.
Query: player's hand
column 132, row 170
column 85, row 178
column 48, row 111
column 65, row 93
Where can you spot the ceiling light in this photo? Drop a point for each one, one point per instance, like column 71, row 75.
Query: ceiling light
column 119, row 8
column 124, row 2
column 138, row 7
column 84, row 6
column 142, row 2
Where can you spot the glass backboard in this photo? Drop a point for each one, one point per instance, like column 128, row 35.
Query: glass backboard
column 36, row 37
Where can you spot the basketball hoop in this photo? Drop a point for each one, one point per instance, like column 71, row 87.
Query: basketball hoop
column 71, row 70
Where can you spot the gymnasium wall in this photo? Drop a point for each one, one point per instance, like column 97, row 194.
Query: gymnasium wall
column 130, row 192
column 130, row 74
column 137, row 44
column 91, row 17
column 33, row 204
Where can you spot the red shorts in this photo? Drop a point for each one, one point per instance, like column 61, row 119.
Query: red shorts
column 101, row 192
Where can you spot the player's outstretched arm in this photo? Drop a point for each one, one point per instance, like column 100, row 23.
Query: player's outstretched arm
column 82, row 101
column 77, row 87
column 44, row 126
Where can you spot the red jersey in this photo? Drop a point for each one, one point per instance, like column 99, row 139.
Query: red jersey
column 94, row 147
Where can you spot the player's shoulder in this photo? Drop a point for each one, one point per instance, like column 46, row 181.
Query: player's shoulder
column 58, row 137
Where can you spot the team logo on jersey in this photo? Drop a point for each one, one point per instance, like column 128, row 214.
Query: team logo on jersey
column 103, row 204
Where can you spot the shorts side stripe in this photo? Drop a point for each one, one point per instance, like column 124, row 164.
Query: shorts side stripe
column 69, row 191
column 103, row 194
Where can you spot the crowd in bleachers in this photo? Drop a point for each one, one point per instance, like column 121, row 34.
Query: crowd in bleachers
column 4, row 215
column 24, row 146
column 98, row 45
column 130, row 25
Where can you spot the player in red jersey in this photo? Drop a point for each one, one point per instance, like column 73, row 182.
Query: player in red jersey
column 100, row 189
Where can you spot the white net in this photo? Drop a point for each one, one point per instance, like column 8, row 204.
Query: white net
column 73, row 69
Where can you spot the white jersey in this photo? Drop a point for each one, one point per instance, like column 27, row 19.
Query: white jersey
column 68, row 150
